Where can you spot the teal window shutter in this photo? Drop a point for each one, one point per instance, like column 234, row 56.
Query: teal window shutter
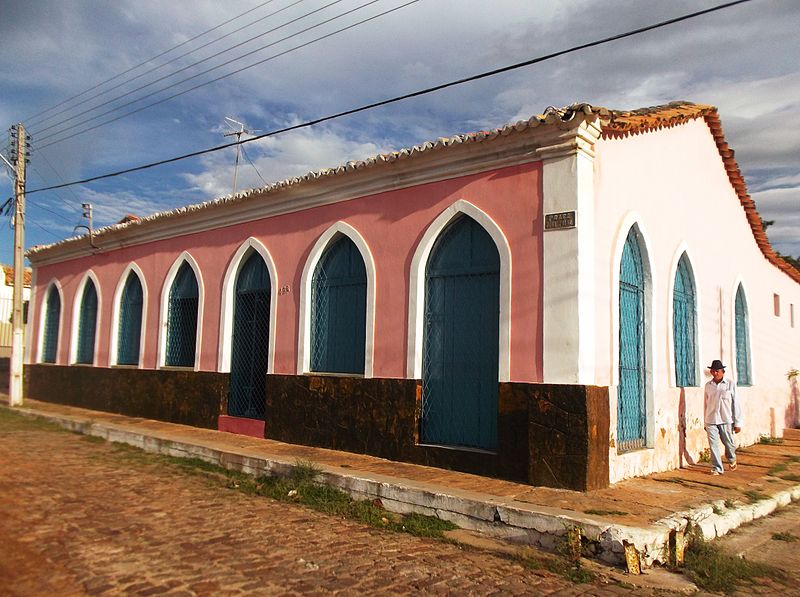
column 52, row 318
column 631, row 403
column 684, row 327
column 339, row 310
column 87, row 324
column 129, row 331
column 182, row 319
column 743, row 364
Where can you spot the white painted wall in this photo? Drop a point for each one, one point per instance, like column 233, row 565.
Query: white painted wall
column 673, row 185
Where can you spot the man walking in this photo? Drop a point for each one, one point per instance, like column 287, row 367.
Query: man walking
column 722, row 410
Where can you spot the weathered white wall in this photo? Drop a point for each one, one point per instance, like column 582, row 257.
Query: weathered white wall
column 672, row 184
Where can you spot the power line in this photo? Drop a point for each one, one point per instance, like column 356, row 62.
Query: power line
column 50, row 232
column 44, row 180
column 60, row 178
column 198, row 86
column 172, row 74
column 399, row 98
column 150, row 59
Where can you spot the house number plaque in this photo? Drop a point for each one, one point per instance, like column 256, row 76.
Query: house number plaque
column 560, row 220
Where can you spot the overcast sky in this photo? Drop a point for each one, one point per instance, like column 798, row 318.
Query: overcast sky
column 743, row 59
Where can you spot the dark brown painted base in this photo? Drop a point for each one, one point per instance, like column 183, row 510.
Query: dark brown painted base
column 549, row 435
column 186, row 397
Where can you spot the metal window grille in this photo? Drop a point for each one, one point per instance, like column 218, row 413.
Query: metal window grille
column 250, row 343
column 339, row 310
column 683, row 319
column 51, row 323
column 743, row 365
column 182, row 319
column 87, row 324
column 129, row 331
column 631, row 409
column 460, row 343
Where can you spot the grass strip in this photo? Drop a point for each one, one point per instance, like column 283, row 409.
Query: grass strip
column 714, row 570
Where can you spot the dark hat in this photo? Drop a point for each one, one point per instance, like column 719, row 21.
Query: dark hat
column 717, row 364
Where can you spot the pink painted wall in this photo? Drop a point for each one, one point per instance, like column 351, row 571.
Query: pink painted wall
column 392, row 223
column 673, row 184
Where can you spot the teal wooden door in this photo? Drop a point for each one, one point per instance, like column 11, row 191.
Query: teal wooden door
column 631, row 410
column 250, row 342
column 339, row 310
column 460, row 342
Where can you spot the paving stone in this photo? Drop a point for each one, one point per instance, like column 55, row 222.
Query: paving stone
column 88, row 512
column 128, row 525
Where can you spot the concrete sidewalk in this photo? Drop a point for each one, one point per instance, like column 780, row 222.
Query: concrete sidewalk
column 642, row 514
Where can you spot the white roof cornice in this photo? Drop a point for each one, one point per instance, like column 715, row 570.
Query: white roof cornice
column 513, row 144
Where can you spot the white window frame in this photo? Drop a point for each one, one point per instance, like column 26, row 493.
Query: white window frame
column 304, row 339
column 76, row 315
column 43, row 317
column 416, row 295
column 113, row 347
column 229, row 300
column 164, row 311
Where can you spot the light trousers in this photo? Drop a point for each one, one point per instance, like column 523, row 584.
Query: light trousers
column 722, row 432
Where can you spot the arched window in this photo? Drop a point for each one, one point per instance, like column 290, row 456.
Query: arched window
column 182, row 319
column 631, row 397
column 250, row 345
column 129, row 332
column 52, row 317
column 460, row 338
column 744, row 371
column 338, row 309
column 684, row 326
column 87, row 324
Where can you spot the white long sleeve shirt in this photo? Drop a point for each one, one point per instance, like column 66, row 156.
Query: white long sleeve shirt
column 721, row 403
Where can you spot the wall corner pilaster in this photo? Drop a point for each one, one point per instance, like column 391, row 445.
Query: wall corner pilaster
column 568, row 237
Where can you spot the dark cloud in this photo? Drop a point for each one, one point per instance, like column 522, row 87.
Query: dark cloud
column 742, row 59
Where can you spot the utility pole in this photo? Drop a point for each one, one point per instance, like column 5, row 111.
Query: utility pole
column 18, row 338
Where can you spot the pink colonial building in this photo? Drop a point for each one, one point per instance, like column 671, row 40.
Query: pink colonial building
column 537, row 302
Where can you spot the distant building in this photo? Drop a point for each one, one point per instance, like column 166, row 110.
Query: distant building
column 7, row 305
column 537, row 302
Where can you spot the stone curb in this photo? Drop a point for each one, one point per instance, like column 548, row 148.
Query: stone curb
column 514, row 521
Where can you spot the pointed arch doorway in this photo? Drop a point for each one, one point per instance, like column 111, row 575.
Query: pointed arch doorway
column 250, row 343
column 460, row 338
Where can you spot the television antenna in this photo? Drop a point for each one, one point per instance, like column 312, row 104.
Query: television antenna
column 239, row 129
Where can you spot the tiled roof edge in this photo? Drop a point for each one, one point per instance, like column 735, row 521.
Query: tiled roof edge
column 550, row 116
column 621, row 124
column 615, row 124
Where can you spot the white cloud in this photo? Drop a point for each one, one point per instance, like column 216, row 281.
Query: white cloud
column 782, row 205
column 724, row 58
column 277, row 158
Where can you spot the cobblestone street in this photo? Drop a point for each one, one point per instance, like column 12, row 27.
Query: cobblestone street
column 85, row 517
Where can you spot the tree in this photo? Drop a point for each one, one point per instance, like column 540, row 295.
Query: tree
column 793, row 261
